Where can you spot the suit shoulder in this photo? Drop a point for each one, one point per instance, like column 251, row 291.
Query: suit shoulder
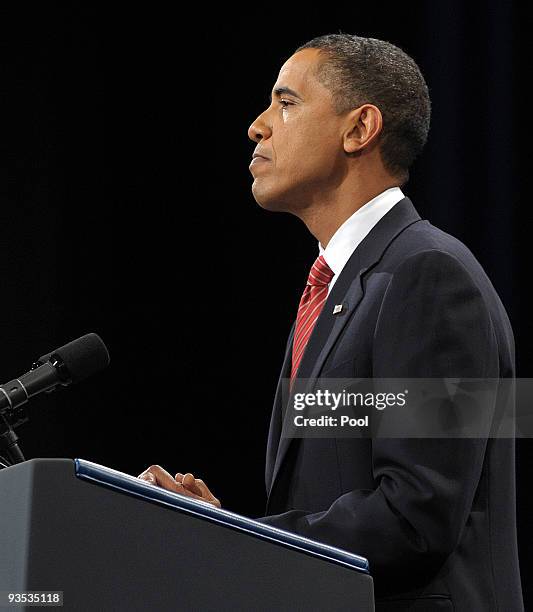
column 424, row 248
column 422, row 241
column 423, row 236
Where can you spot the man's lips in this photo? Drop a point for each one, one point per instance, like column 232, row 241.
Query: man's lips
column 258, row 159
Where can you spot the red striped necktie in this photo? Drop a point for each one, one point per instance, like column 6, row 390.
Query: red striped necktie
column 313, row 298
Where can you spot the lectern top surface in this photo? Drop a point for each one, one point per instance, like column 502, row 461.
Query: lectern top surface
column 125, row 483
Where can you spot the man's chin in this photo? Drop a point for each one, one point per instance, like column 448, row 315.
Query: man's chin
column 268, row 200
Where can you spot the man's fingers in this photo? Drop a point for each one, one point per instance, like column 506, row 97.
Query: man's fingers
column 188, row 478
column 155, row 474
column 190, row 482
column 206, row 493
column 184, row 491
column 204, row 489
column 148, row 477
column 186, row 484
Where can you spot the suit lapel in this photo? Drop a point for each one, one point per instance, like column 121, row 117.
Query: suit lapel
column 274, row 431
column 348, row 291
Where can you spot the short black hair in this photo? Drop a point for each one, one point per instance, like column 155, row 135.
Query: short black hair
column 359, row 70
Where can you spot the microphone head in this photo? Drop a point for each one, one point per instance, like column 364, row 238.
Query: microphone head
column 82, row 357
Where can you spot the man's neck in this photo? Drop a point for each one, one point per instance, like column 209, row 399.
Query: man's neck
column 325, row 218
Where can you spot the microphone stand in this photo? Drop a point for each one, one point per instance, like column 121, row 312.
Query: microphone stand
column 11, row 417
column 9, row 444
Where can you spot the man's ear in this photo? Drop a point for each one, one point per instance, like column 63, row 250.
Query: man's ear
column 363, row 126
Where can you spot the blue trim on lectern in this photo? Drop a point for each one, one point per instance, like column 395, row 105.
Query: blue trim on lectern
column 87, row 470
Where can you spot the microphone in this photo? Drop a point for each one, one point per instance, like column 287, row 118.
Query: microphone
column 68, row 364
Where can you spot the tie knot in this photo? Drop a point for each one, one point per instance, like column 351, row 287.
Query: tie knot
column 320, row 273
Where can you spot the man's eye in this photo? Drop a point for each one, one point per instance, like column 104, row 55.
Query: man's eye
column 285, row 103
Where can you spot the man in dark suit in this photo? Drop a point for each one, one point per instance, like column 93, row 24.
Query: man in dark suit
column 390, row 296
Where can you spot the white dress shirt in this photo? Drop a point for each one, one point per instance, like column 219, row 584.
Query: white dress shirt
column 350, row 234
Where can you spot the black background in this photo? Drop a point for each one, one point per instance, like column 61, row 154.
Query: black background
column 126, row 210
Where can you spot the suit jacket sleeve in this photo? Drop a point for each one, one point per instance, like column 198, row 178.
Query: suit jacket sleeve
column 433, row 322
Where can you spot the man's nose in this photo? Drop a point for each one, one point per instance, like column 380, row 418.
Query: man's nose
column 259, row 130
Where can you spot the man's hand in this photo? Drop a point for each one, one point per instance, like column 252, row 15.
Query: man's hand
column 186, row 484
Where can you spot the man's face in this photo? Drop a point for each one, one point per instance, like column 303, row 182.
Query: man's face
column 301, row 136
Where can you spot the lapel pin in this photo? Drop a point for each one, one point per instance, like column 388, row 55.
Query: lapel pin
column 337, row 308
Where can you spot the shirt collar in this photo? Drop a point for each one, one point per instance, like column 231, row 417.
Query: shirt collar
column 351, row 233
